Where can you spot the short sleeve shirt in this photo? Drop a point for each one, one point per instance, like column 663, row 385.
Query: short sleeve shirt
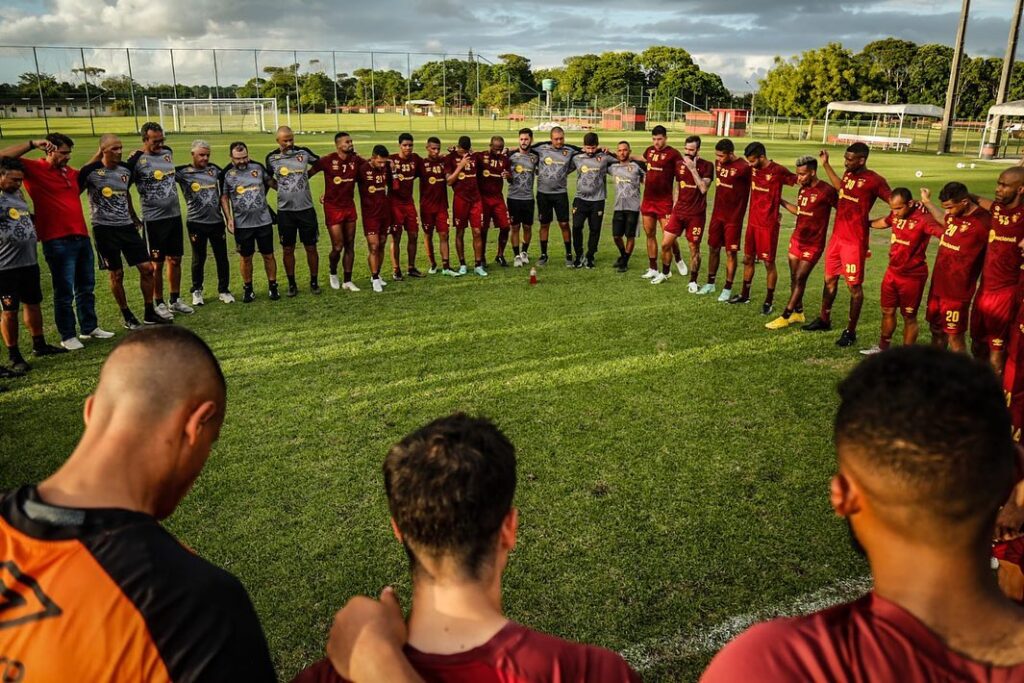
column 153, row 176
column 17, row 233
column 291, row 171
column 246, row 189
column 108, row 193
column 201, row 189
column 553, row 168
column 627, row 176
column 523, row 167
column 591, row 175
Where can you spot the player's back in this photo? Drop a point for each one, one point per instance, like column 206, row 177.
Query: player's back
column 109, row 595
column 515, row 654
column 871, row 639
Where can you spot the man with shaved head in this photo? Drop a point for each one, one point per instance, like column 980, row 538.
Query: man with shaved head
column 116, row 227
column 94, row 584
column 925, row 460
column 289, row 167
column 205, row 220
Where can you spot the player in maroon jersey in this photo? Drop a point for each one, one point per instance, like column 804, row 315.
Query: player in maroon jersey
column 732, row 191
column 766, row 181
column 957, row 263
column 903, row 285
column 995, row 306
column 656, row 206
column 847, row 250
column 403, row 208
column 340, row 169
column 375, row 180
column 434, row 205
column 494, row 171
column 467, row 210
column 693, row 176
column 812, row 209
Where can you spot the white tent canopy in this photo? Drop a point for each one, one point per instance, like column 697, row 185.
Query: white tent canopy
column 421, row 103
column 992, row 123
column 899, row 110
column 1015, row 108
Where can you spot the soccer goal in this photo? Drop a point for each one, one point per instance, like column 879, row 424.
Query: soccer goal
column 242, row 114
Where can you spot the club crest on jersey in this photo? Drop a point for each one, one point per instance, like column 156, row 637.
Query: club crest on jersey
column 101, row 173
column 300, row 158
column 254, row 174
column 768, row 177
column 565, row 152
column 167, row 158
column 124, row 177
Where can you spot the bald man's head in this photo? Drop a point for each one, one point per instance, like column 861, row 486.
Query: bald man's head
column 285, row 138
column 111, row 147
column 1010, row 186
column 162, row 388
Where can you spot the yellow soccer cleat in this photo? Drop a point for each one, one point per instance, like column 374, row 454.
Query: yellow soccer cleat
column 797, row 318
column 779, row 323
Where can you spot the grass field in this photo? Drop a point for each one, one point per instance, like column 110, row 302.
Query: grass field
column 674, row 455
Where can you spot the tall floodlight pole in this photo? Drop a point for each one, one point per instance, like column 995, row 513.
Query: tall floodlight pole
column 946, row 135
column 1004, row 79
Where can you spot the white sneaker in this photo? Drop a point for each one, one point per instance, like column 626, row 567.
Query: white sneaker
column 180, row 306
column 382, row 281
column 350, row 287
column 479, row 270
column 526, row 259
column 163, row 311
column 432, row 270
column 462, row 270
column 651, row 272
column 725, row 295
column 681, row 266
column 693, row 288
column 226, row 298
column 659, row 278
column 72, row 344
column 706, row 289
column 197, row 299
column 517, row 262
column 378, row 285
column 98, row 333
column 872, row 351
column 335, row 282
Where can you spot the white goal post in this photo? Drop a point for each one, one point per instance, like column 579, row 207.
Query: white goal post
column 211, row 115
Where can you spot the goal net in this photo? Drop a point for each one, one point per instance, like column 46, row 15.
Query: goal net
column 219, row 115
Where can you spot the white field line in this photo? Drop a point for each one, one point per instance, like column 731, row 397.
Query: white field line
column 655, row 651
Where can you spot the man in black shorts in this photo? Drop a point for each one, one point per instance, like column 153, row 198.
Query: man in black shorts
column 115, row 227
column 523, row 169
column 19, row 270
column 243, row 187
column 152, row 173
column 205, row 220
column 628, row 175
column 289, row 167
column 552, row 196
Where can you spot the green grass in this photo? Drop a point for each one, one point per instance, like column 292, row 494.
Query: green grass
column 674, row 456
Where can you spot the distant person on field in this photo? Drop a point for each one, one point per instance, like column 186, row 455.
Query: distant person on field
column 925, row 460
column 450, row 487
column 60, row 225
column 96, row 589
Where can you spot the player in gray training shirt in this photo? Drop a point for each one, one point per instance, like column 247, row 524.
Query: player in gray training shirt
column 289, row 168
column 523, row 169
column 627, row 175
column 152, row 170
column 591, row 166
column 200, row 185
column 552, row 196
column 115, row 226
column 243, row 187
column 19, row 270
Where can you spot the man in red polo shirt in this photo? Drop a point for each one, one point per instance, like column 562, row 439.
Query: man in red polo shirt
column 60, row 224
column 925, row 459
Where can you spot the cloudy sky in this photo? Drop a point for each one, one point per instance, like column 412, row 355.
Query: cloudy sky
column 736, row 38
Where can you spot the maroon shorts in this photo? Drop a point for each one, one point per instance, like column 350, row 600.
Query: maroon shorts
column 434, row 219
column 949, row 314
column 804, row 251
column 495, row 212
column 336, row 215
column 467, row 213
column 657, row 207
column 845, row 259
column 403, row 217
column 903, row 292
column 377, row 222
column 762, row 243
column 993, row 316
column 1013, row 378
column 691, row 226
column 722, row 234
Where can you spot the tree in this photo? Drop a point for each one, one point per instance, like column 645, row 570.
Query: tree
column 121, row 85
column 576, row 76
column 516, row 72
column 29, row 83
column 615, row 73
column 928, row 74
column 805, row 85
column 888, row 62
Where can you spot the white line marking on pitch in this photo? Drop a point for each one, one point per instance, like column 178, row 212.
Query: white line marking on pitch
column 646, row 655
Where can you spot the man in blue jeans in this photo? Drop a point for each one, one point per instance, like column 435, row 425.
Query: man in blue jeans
column 60, row 225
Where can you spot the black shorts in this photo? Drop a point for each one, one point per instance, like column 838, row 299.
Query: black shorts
column 114, row 240
column 303, row 223
column 624, row 223
column 559, row 203
column 20, row 286
column 248, row 239
column 520, row 211
column 164, row 238
column 205, row 230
